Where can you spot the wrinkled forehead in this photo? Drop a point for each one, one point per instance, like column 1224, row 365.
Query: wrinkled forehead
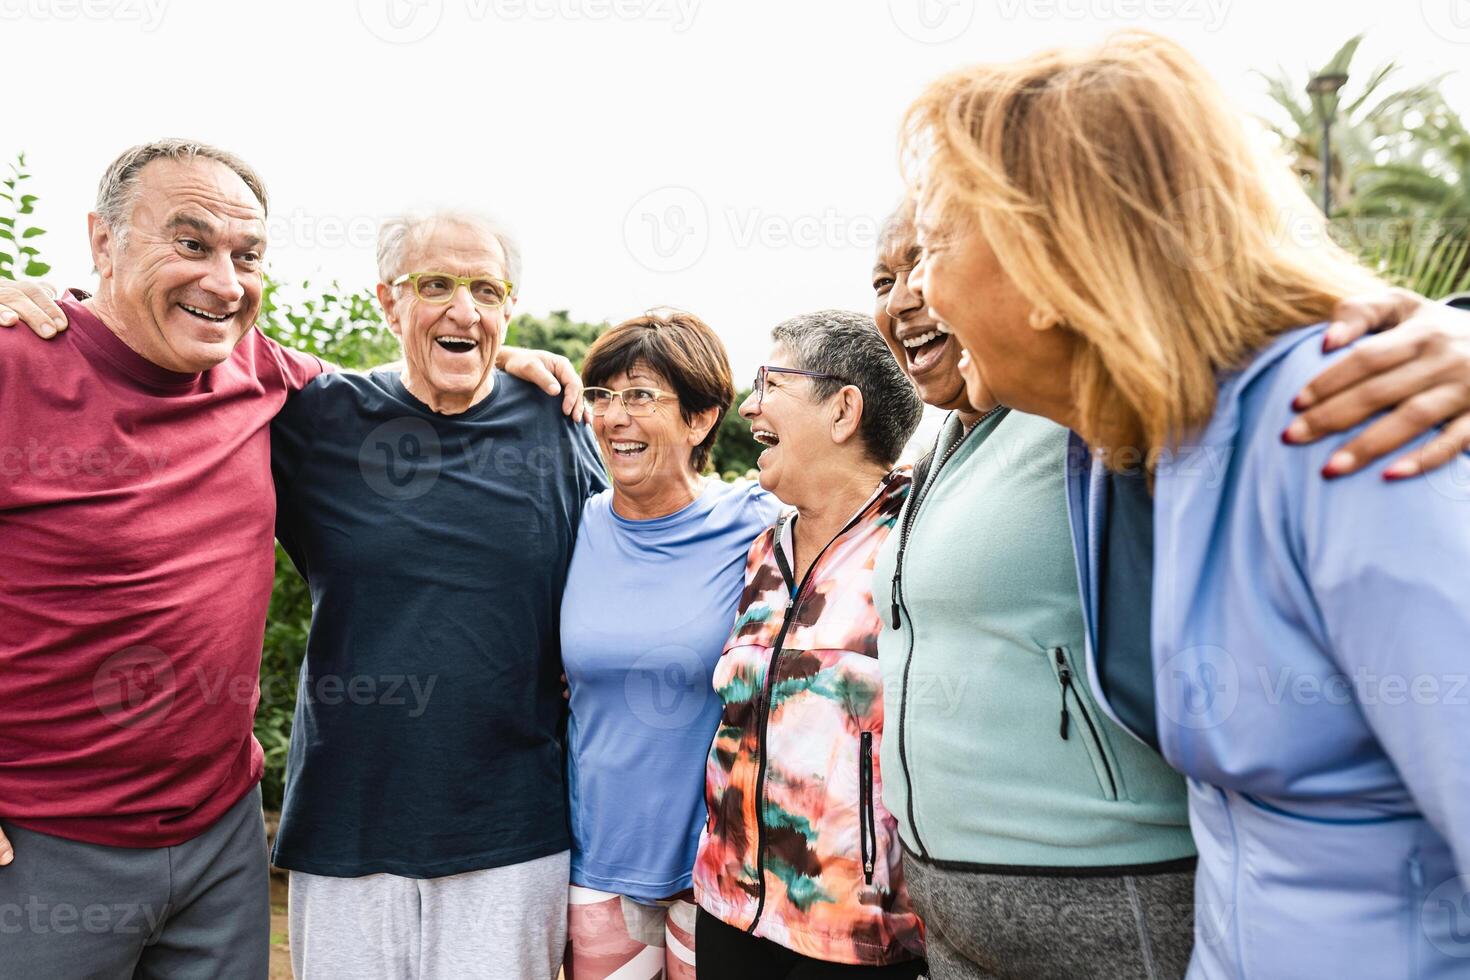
column 203, row 195
column 463, row 248
column 781, row 355
column 898, row 243
column 939, row 212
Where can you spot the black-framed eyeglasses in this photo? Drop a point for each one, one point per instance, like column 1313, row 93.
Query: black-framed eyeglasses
column 637, row 402
column 759, row 387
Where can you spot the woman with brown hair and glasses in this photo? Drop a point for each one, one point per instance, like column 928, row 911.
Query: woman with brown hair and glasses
column 652, row 590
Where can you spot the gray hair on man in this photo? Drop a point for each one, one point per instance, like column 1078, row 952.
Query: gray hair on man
column 118, row 188
column 849, row 346
column 398, row 232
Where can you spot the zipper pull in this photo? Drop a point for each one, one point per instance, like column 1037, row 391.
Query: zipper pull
column 1064, row 673
column 896, row 587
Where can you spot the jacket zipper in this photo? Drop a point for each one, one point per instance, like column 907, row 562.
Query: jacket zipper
column 1064, row 676
column 765, row 709
column 898, row 604
column 867, row 819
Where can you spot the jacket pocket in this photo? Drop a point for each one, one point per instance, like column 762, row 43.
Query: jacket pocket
column 1076, row 721
column 867, row 818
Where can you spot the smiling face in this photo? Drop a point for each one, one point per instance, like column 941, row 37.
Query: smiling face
column 448, row 348
column 791, row 423
column 182, row 282
column 927, row 351
column 1023, row 363
column 646, row 454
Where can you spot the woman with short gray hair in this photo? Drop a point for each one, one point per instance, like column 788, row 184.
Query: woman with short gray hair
column 799, row 869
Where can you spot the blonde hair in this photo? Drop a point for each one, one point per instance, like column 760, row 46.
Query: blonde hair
column 1121, row 193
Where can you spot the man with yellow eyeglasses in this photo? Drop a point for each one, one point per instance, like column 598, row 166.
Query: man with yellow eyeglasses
column 432, row 511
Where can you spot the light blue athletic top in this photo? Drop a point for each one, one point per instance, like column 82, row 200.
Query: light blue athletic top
column 647, row 609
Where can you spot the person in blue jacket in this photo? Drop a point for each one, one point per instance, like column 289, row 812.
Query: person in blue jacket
column 1106, row 242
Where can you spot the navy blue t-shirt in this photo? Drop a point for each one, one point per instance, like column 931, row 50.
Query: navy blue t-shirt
column 427, row 738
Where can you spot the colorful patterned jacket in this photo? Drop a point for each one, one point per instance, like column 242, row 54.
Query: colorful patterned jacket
column 799, row 743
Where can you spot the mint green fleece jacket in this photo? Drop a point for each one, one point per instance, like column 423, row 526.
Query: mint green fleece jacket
column 998, row 758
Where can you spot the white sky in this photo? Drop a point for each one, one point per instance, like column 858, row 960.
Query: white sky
column 755, row 138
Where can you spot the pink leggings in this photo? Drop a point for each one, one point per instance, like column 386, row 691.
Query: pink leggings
column 612, row 937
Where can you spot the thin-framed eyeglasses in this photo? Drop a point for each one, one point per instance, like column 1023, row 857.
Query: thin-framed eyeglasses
column 759, row 386
column 638, row 402
column 440, row 287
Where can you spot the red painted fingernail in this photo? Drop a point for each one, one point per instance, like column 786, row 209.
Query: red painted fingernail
column 1339, row 464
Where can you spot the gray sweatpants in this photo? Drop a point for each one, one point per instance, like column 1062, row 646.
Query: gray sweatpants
column 1035, row 927
column 508, row 923
column 197, row 911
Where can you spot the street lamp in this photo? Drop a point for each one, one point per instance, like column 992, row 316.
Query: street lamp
column 1323, row 90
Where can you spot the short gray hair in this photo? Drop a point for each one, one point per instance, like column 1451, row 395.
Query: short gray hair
column 397, row 231
column 849, row 346
column 118, row 189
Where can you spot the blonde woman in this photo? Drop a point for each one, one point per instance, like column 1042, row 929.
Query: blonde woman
column 1106, row 241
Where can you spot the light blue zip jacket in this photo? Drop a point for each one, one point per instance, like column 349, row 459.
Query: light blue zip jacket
column 1311, row 656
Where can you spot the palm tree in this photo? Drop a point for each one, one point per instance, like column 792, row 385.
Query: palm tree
column 1371, row 122
column 1433, row 183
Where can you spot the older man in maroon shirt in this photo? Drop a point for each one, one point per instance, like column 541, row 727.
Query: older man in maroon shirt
column 136, row 518
column 136, row 521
